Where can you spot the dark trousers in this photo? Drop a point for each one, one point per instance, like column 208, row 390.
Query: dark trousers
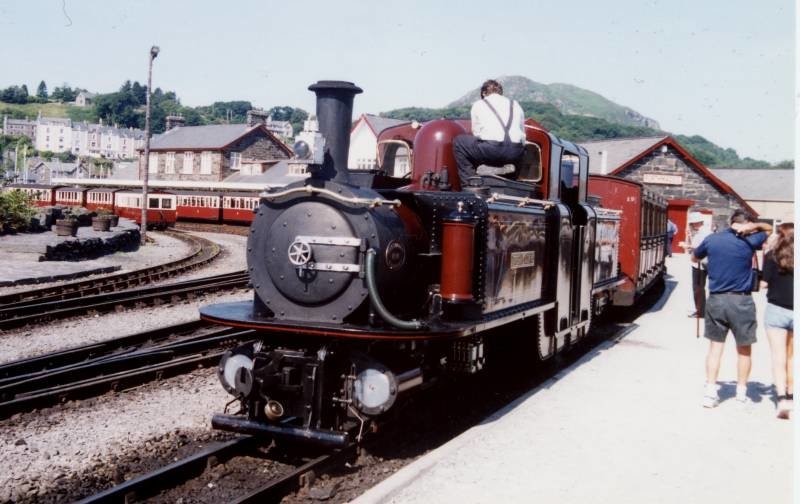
column 699, row 276
column 471, row 152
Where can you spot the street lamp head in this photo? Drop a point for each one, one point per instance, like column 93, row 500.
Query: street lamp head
column 154, row 52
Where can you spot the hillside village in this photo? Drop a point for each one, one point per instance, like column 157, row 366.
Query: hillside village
column 253, row 147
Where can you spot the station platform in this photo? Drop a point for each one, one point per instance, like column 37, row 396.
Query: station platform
column 623, row 424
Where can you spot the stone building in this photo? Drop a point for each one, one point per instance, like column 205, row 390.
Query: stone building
column 663, row 166
column 212, row 153
column 22, row 127
column 84, row 98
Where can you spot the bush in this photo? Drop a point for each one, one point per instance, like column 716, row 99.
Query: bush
column 16, row 210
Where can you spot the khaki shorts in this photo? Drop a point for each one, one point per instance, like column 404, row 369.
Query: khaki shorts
column 731, row 311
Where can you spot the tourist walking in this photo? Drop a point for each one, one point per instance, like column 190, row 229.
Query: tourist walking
column 730, row 306
column 779, row 279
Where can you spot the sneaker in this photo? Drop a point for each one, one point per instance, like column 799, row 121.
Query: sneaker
column 741, row 395
column 711, row 397
column 710, row 401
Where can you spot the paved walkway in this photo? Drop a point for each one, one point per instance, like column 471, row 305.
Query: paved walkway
column 623, row 425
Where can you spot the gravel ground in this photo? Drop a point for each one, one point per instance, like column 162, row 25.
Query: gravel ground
column 163, row 249
column 66, row 452
column 232, row 257
column 36, row 340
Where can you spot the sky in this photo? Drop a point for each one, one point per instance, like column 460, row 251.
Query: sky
column 716, row 68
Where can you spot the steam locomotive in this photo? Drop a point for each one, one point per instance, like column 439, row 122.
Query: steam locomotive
column 367, row 286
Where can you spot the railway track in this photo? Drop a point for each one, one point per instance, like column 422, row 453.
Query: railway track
column 180, row 472
column 203, row 251
column 125, row 362
column 206, row 227
column 31, row 312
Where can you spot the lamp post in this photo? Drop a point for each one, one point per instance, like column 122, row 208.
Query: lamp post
column 153, row 53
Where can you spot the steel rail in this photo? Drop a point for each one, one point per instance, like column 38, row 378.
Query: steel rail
column 114, row 382
column 14, row 311
column 278, row 488
column 77, row 355
column 171, row 475
column 203, row 252
column 107, row 365
column 107, row 302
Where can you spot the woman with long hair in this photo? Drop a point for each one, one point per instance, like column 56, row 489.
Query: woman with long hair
column 779, row 278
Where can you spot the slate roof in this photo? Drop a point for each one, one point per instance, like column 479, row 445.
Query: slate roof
column 619, row 151
column 759, row 184
column 377, row 123
column 212, row 136
column 276, row 175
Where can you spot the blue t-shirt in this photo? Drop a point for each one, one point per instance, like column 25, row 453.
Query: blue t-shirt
column 730, row 259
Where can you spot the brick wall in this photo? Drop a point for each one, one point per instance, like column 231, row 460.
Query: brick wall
column 695, row 185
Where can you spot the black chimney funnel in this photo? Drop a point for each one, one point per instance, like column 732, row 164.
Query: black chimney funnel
column 335, row 117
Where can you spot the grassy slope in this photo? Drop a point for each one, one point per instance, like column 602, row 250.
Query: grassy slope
column 31, row 110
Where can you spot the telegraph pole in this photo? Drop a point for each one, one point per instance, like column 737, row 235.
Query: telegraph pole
column 153, row 53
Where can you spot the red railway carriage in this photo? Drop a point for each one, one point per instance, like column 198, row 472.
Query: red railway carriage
column 41, row 195
column 198, row 205
column 239, row 206
column 642, row 232
column 161, row 208
column 70, row 196
column 100, row 198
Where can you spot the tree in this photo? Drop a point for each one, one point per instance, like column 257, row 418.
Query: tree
column 41, row 90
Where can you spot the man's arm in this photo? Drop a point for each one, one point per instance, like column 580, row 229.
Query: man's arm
column 748, row 228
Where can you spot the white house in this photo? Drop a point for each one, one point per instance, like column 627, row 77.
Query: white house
column 364, row 140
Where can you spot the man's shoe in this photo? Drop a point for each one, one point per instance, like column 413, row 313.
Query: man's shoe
column 741, row 395
column 710, row 401
column 693, row 315
column 784, row 407
column 711, row 396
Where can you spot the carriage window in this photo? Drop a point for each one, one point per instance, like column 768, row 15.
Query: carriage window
column 394, row 158
column 153, row 203
column 530, row 166
column 166, row 203
column 570, row 177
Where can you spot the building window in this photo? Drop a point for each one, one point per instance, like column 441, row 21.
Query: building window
column 205, row 163
column 170, row 166
column 236, row 160
column 188, row 163
column 153, row 163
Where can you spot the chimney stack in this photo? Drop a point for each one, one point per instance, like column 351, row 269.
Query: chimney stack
column 174, row 121
column 257, row 116
column 335, row 117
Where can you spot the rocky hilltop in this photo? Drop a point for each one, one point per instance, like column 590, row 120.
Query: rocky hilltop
column 567, row 98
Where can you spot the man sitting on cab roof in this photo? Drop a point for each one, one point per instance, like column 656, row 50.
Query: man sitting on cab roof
column 498, row 133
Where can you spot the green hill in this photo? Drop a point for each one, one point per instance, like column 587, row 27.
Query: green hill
column 568, row 99
column 581, row 128
column 31, row 110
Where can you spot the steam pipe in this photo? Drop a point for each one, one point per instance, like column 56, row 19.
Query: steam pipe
column 375, row 299
column 335, row 118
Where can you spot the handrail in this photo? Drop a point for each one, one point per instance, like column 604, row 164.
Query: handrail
column 521, row 202
column 310, row 190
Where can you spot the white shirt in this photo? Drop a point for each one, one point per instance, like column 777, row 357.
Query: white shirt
column 486, row 126
column 697, row 239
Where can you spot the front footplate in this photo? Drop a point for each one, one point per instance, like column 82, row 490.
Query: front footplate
column 242, row 425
